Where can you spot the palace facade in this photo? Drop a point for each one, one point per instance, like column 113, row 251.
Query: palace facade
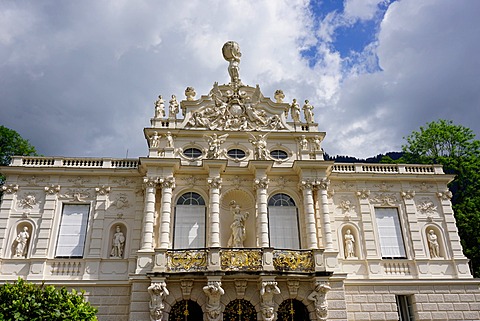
column 235, row 215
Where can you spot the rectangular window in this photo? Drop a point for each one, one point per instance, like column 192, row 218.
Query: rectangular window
column 283, row 225
column 73, row 230
column 390, row 233
column 404, row 308
column 189, row 231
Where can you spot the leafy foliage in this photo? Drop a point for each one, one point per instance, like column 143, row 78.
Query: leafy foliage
column 455, row 147
column 27, row 301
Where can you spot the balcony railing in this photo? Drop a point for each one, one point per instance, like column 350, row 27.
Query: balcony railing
column 387, row 168
column 83, row 162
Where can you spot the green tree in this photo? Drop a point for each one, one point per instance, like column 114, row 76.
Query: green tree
column 454, row 147
column 11, row 143
column 27, row 301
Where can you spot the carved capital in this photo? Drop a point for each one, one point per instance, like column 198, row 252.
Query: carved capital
column 167, row 182
column 306, row 184
column 261, row 183
column 102, row 190
column 52, row 189
column 363, row 194
column 408, row 195
column 10, row 188
column 150, row 181
column 214, row 182
column 322, row 184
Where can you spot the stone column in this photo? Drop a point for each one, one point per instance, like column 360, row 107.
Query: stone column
column 312, row 239
column 322, row 186
column 261, row 186
column 168, row 184
column 149, row 213
column 214, row 183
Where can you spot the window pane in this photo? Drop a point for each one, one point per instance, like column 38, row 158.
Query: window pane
column 73, row 229
column 189, row 226
column 283, row 222
column 236, row 153
column 390, row 232
column 278, row 154
column 192, row 152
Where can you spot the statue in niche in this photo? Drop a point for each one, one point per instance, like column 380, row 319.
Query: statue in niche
column 238, row 226
column 308, row 111
column 22, row 240
column 319, row 296
column 433, row 244
column 214, row 142
column 268, row 290
column 349, row 244
column 158, row 292
column 154, row 140
column 231, row 53
column 214, row 292
column 295, row 111
column 173, row 107
column 260, row 145
column 118, row 243
column 169, row 138
column 159, row 107
column 303, row 143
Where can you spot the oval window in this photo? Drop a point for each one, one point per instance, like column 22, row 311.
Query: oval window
column 192, row 152
column 278, row 154
column 236, row 153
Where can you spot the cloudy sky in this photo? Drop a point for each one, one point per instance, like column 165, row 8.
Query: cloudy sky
column 79, row 78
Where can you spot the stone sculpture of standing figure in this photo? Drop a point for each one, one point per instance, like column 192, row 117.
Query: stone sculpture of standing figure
column 159, row 107
column 260, row 144
column 158, row 292
column 349, row 244
column 303, row 143
column 308, row 111
column 155, row 140
column 22, row 239
column 238, row 226
column 231, row 53
column 319, row 296
column 169, row 138
column 173, row 107
column 295, row 111
column 118, row 243
column 433, row 244
column 214, row 292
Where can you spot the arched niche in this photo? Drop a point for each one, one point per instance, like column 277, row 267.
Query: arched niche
column 433, row 234
column 292, row 310
column 246, row 204
column 186, row 310
column 117, row 236
column 238, row 310
column 23, row 234
column 350, row 237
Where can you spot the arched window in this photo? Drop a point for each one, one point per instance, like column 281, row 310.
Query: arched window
column 292, row 310
column 283, row 222
column 239, row 310
column 186, row 310
column 189, row 229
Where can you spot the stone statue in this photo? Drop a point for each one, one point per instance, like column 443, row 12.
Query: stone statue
column 433, row 244
column 260, row 145
column 316, row 144
column 158, row 292
column 154, row 140
column 279, row 96
column 214, row 142
column 238, row 226
column 214, row 292
column 173, row 107
column 349, row 244
column 190, row 93
column 169, row 138
column 308, row 111
column 231, row 53
column 268, row 290
column 118, row 243
column 295, row 111
column 22, row 239
column 159, row 107
column 303, row 143
column 319, row 297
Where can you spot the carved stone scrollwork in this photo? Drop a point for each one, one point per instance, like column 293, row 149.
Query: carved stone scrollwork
column 102, row 190
column 158, row 292
column 28, row 202
column 446, row 195
column 52, row 189
column 167, row 182
column 261, row 183
column 427, row 207
column 363, row 194
column 10, row 188
column 384, row 199
column 240, row 287
column 319, row 296
column 293, row 286
column 408, row 195
column 214, row 182
column 293, row 261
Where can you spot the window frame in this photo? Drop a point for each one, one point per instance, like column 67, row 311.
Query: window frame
column 405, row 307
column 192, row 149
column 60, row 236
column 285, row 199
column 181, row 202
column 398, row 231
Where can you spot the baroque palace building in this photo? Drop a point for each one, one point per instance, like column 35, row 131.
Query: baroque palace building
column 235, row 215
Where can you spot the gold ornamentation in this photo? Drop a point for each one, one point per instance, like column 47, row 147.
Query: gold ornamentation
column 185, row 261
column 241, row 260
column 293, row 261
